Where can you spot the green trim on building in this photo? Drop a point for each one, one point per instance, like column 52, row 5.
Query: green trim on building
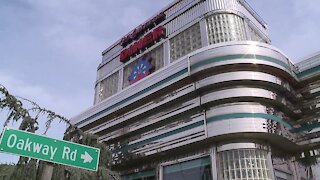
column 240, row 56
column 160, row 136
column 310, row 71
column 200, row 123
column 249, row 115
column 184, row 71
column 176, row 75
column 306, row 127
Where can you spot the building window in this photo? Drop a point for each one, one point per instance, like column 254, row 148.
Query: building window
column 198, row 169
column 156, row 57
column 244, row 164
column 138, row 69
column 225, row 27
column 187, row 41
column 107, row 87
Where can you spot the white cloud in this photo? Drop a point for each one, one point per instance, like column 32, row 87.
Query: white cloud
column 50, row 49
column 60, row 103
column 304, row 29
column 39, row 95
column 131, row 17
column 306, row 8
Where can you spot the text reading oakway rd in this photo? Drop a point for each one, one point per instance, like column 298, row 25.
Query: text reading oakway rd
column 48, row 149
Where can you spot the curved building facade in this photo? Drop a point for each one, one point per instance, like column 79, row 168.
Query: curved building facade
column 198, row 92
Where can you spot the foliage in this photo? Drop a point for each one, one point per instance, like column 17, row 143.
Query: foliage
column 11, row 171
column 74, row 174
column 28, row 168
column 16, row 111
column 6, row 171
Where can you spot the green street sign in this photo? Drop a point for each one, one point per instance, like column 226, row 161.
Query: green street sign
column 47, row 149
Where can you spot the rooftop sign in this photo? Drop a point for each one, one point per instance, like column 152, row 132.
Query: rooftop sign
column 145, row 41
column 142, row 43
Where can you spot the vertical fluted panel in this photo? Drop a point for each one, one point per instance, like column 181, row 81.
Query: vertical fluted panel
column 254, row 18
column 211, row 5
column 185, row 18
column 177, row 7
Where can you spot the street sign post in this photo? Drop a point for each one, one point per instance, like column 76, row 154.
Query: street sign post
column 47, row 149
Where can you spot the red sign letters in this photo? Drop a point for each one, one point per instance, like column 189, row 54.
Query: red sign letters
column 145, row 42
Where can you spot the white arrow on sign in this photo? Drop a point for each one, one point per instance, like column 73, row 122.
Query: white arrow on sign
column 86, row 157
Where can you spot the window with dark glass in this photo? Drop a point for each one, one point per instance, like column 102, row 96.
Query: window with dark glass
column 198, row 169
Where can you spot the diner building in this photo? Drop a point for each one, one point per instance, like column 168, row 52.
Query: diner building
column 197, row 92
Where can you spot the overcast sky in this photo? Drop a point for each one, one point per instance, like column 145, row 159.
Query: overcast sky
column 50, row 49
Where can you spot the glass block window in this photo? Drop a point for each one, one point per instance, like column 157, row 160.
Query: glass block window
column 249, row 164
column 198, row 169
column 187, row 41
column 225, row 27
column 154, row 57
column 108, row 86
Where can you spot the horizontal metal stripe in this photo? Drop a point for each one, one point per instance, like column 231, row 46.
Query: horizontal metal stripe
column 249, row 115
column 170, row 133
column 306, row 127
column 143, row 125
column 172, row 143
column 209, row 120
column 233, row 95
column 139, row 175
column 202, row 63
column 149, row 107
column 212, row 79
column 309, row 72
column 164, row 129
column 252, row 76
column 136, row 95
column 239, row 56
